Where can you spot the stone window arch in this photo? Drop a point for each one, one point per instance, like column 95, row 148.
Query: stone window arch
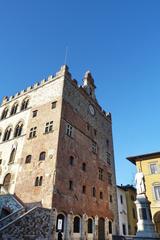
column 90, row 225
column 60, row 225
column 7, row 180
column 14, row 109
column 7, row 134
column 110, row 227
column 25, row 104
column 42, row 156
column 76, row 224
column 12, row 156
column 18, row 129
column 28, row 159
column 101, row 228
column 38, row 181
column 4, row 113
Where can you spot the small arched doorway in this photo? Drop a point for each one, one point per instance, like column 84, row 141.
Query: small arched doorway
column 61, row 224
column 6, row 182
column 157, row 221
column 101, row 229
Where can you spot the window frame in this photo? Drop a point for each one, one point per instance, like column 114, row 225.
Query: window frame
column 153, row 170
column 157, row 198
column 69, row 130
column 28, row 159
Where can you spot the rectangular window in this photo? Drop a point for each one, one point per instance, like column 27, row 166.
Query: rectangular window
column 110, row 199
column 34, row 113
column 88, row 126
column 32, row 133
column 153, row 168
column 100, row 174
column 108, row 158
column 107, row 143
column 101, row 195
column 54, row 105
column 157, row 192
column 70, row 185
column 69, row 130
column 49, row 127
column 124, row 229
column 94, row 147
column 0, row 161
column 95, row 132
column 109, row 178
column 93, row 192
column 121, row 199
column 84, row 189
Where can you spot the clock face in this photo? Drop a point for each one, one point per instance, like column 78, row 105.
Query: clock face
column 91, row 109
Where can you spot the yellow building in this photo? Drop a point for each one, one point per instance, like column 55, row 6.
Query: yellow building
column 131, row 209
column 149, row 164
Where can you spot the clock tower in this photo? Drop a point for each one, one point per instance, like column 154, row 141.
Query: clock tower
column 88, row 84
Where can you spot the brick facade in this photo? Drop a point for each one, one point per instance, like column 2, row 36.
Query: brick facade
column 78, row 172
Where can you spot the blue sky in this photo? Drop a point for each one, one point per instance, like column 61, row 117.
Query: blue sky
column 117, row 40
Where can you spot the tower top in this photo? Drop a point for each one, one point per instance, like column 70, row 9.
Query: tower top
column 88, row 84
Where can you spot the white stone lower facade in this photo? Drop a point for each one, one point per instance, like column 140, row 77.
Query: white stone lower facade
column 76, row 227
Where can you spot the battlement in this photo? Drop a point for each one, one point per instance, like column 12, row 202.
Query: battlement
column 62, row 72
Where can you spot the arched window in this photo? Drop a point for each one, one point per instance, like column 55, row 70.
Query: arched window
column 90, row 225
column 4, row 113
column 110, row 227
column 7, row 134
column 6, row 182
column 42, row 156
column 60, row 223
column 12, row 156
column 28, row 159
column 24, row 104
column 40, row 181
column 76, row 225
column 37, row 181
column 14, row 109
column 18, row 129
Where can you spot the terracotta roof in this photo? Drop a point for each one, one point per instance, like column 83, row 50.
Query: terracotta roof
column 146, row 156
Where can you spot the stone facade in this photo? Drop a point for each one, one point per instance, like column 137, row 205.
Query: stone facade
column 63, row 158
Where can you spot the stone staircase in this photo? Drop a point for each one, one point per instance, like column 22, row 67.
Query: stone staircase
column 34, row 224
column 20, row 223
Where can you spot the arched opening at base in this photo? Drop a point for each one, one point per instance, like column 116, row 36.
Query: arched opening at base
column 6, row 182
column 157, row 221
column 101, row 229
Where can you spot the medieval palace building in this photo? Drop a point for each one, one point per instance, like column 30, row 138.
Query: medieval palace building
column 56, row 158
